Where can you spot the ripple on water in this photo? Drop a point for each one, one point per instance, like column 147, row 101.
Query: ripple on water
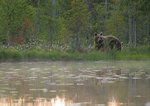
column 11, row 72
column 32, row 78
column 65, row 84
column 17, row 83
column 136, row 78
column 52, row 83
column 52, row 91
column 44, row 90
column 14, row 92
column 2, row 91
column 34, row 69
column 90, row 76
column 82, row 104
column 45, row 77
column 62, row 90
column 99, row 105
column 147, row 104
column 80, row 84
column 123, row 78
column 148, row 77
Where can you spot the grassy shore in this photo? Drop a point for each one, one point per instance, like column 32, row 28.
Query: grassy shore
column 140, row 53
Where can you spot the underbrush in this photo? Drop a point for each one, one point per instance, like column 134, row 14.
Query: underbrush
column 9, row 54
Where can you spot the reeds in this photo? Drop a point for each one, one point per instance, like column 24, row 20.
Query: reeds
column 63, row 53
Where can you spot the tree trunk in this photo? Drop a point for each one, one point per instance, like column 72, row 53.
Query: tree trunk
column 135, row 33
column 89, row 21
column 54, row 14
column 50, row 39
column 8, row 35
column 130, row 30
column 36, row 23
column 9, row 23
column 106, row 17
column 77, row 40
column 148, row 30
column 55, row 8
column 73, row 41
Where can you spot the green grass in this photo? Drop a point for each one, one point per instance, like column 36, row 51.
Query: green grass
column 140, row 53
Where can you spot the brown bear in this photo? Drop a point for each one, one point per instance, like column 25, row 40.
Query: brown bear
column 106, row 42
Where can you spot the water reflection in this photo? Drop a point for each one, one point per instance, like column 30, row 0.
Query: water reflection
column 37, row 102
column 78, row 84
column 58, row 101
column 113, row 102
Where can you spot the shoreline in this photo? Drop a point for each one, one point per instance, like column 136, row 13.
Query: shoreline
column 35, row 55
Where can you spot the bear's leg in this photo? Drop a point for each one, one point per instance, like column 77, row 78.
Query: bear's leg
column 115, row 44
column 112, row 44
column 118, row 45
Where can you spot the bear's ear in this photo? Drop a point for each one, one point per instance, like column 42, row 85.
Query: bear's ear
column 101, row 33
column 95, row 34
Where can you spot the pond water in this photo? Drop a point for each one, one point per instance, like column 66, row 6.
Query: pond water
column 59, row 83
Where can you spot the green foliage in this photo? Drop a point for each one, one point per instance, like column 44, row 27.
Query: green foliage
column 10, row 55
column 98, row 18
column 141, row 5
column 13, row 13
column 63, row 6
column 77, row 17
column 76, row 20
column 116, row 24
column 46, row 19
column 73, row 28
column 140, row 53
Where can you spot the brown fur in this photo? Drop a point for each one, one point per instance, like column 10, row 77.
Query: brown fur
column 105, row 42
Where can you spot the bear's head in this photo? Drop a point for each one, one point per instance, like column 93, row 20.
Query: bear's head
column 98, row 38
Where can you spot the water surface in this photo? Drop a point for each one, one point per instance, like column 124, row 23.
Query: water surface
column 99, row 83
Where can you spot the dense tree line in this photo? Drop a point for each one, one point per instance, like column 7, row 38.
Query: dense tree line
column 74, row 22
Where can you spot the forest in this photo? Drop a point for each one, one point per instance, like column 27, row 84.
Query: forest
column 68, row 26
